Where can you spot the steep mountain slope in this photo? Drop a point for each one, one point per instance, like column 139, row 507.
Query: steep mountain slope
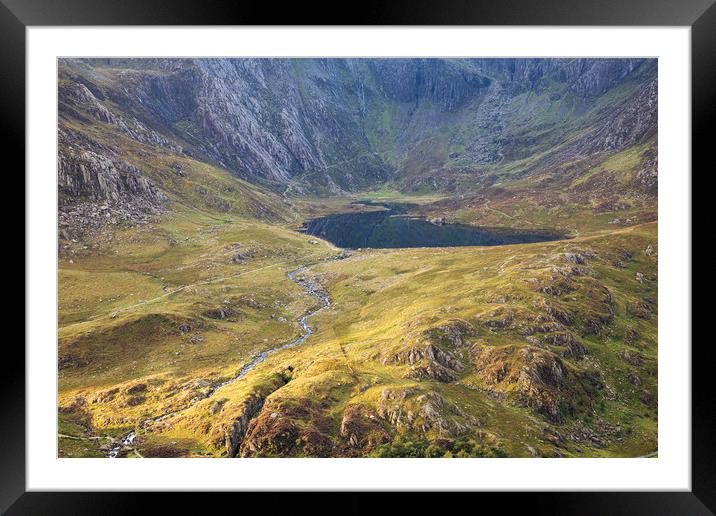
column 183, row 281
column 116, row 168
column 333, row 126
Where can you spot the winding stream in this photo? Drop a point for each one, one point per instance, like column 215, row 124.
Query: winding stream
column 126, row 440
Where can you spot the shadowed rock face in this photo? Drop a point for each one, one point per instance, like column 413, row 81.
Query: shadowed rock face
column 329, row 126
column 417, row 80
column 97, row 176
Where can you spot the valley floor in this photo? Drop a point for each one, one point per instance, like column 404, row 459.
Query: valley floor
column 546, row 349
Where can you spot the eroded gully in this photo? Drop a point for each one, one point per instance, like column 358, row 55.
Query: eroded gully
column 126, row 440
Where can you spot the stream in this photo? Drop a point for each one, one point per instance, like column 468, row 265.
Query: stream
column 126, row 440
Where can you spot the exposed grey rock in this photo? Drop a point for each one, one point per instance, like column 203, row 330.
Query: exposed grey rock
column 220, row 313
column 412, row 409
column 314, row 125
column 234, row 434
column 78, row 96
column 87, row 174
column 576, row 258
column 217, row 406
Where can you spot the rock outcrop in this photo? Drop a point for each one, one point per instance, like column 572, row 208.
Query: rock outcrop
column 235, row 419
column 362, row 428
column 330, row 126
column 90, row 175
column 415, row 410
column 434, row 353
column 235, row 432
column 297, row 427
column 534, row 377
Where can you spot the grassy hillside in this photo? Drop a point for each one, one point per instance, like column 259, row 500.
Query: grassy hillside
column 175, row 297
column 546, row 349
column 186, row 301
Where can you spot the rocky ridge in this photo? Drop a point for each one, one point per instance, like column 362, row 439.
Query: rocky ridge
column 335, row 125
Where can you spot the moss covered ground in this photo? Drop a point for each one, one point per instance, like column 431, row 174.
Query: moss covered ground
column 140, row 337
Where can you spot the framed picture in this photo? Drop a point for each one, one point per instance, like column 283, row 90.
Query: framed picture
column 445, row 248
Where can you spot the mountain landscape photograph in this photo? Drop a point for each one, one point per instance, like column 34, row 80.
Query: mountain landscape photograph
column 357, row 258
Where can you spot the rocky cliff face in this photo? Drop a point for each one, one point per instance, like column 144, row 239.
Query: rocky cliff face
column 632, row 123
column 328, row 126
column 444, row 82
column 87, row 174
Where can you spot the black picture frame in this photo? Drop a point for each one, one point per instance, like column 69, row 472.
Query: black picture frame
column 700, row 15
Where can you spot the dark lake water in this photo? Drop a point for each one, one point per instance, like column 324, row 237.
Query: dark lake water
column 393, row 228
